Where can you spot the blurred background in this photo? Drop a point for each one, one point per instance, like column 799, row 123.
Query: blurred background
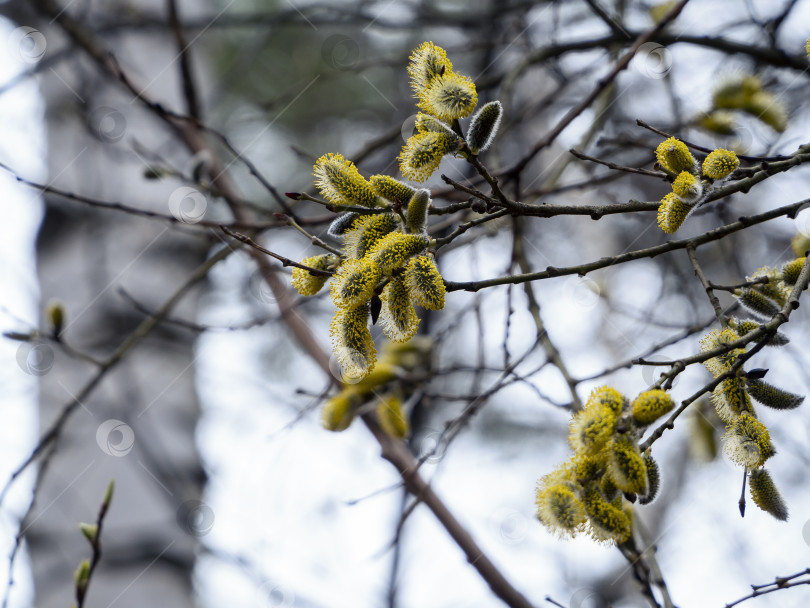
column 175, row 375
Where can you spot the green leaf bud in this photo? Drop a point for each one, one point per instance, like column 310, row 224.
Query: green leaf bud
column 89, row 531
column 653, row 480
column 772, row 396
column 484, row 126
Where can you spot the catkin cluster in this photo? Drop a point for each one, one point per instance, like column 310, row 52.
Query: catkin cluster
column 690, row 182
column 747, row 441
column 593, row 491
column 444, row 97
column 743, row 94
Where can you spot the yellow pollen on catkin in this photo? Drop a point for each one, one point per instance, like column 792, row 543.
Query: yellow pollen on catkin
column 687, row 187
column 339, row 181
column 395, row 249
column 366, row 231
column 427, row 61
column 607, row 523
column 423, row 153
column 352, row 343
column 559, row 509
column 720, row 163
column 449, row 97
column 354, row 283
column 397, row 315
column 392, row 418
column 748, row 442
column 672, row 213
column 606, row 396
column 649, row 406
column 590, row 429
column 306, row 283
column 425, row 284
column 626, row 466
column 673, row 155
column 765, row 495
column 392, row 189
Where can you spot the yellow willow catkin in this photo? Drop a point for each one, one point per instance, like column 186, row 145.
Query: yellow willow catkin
column 306, row 283
column 395, row 249
column 730, row 400
column 673, row 155
column 354, row 283
column 339, row 181
column 748, row 442
column 687, row 187
column 672, row 213
column 608, row 523
column 352, row 342
column 626, row 466
column 559, row 509
column 608, row 397
column 425, row 284
column 417, row 210
column 338, row 411
column 720, row 163
column 392, row 189
column 423, row 153
column 427, row 61
column 392, row 418
column 653, row 480
column 649, row 406
column 449, row 97
column 791, row 271
column 366, row 231
column 765, row 495
column 590, row 429
column 397, row 315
